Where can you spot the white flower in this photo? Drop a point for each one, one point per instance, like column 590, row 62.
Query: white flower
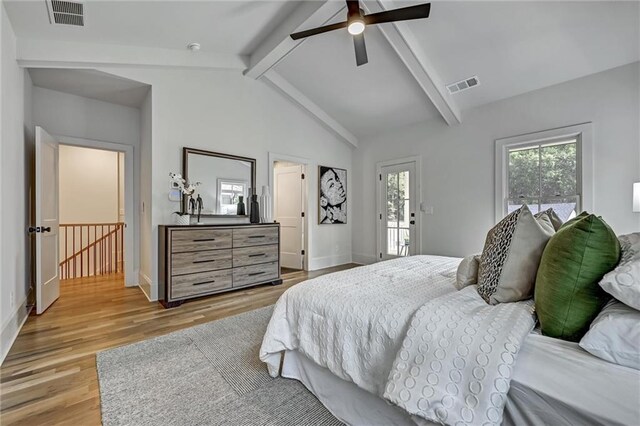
column 185, row 188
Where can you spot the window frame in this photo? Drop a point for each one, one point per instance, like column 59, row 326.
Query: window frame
column 582, row 133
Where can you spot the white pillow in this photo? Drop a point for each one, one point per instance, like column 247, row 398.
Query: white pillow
column 623, row 282
column 467, row 271
column 615, row 335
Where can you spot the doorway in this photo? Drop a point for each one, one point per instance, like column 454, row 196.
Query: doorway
column 289, row 205
column 91, row 212
column 398, row 219
column 71, row 242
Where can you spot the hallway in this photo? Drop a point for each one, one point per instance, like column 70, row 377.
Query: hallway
column 49, row 376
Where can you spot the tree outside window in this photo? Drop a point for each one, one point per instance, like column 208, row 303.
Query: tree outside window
column 544, row 176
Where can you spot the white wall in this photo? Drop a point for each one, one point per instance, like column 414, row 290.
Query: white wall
column 458, row 161
column 63, row 114
column 89, row 185
column 145, row 240
column 16, row 143
column 221, row 110
column 70, row 115
column 121, row 187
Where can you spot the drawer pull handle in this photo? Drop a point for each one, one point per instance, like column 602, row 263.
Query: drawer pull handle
column 258, row 255
column 256, row 273
column 205, row 282
column 203, row 239
column 257, row 236
column 204, row 261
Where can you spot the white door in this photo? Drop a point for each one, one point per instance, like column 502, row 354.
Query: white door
column 45, row 229
column 397, row 210
column 288, row 187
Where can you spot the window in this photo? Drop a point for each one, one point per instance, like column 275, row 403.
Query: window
column 229, row 192
column 544, row 170
column 544, row 176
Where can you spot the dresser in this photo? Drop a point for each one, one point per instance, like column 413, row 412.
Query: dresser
column 196, row 261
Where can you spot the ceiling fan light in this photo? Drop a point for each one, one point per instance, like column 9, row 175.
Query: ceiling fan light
column 356, row 27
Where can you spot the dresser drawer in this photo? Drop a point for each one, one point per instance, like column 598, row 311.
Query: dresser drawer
column 246, row 237
column 200, row 261
column 246, row 275
column 187, row 240
column 252, row 255
column 202, row 283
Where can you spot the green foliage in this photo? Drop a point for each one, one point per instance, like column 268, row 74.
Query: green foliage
column 539, row 172
column 397, row 187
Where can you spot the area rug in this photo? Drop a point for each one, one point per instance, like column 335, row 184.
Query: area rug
column 209, row 374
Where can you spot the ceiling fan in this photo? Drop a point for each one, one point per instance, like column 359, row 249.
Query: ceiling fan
column 357, row 21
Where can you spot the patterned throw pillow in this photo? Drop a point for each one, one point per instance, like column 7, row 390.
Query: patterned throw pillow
column 511, row 255
column 623, row 283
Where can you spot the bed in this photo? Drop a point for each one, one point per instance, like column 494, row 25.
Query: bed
column 348, row 338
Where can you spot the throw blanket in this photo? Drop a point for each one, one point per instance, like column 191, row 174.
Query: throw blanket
column 457, row 358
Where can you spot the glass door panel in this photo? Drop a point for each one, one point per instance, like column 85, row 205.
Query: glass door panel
column 398, row 211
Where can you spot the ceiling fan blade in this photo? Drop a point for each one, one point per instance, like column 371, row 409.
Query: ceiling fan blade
column 319, row 30
column 361, row 49
column 419, row 11
column 354, row 7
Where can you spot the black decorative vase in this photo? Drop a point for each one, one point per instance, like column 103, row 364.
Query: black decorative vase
column 255, row 210
column 241, row 210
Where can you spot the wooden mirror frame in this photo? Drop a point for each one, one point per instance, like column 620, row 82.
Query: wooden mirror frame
column 185, row 173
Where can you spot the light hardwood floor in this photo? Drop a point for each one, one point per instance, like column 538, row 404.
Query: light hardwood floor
column 49, row 377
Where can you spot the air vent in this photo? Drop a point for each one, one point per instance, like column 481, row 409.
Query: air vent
column 66, row 12
column 462, row 85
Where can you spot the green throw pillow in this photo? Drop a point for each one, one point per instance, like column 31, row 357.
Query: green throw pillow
column 567, row 294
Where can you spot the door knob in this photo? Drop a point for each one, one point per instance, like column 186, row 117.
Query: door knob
column 412, row 222
column 37, row 229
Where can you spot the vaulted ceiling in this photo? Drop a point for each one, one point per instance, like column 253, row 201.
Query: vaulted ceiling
column 512, row 47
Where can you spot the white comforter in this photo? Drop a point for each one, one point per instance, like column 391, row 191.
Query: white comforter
column 354, row 323
column 456, row 361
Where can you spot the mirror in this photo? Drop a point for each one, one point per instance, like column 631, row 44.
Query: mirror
column 223, row 179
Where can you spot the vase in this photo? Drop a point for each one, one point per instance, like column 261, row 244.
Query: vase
column 183, row 219
column 254, row 216
column 248, row 205
column 265, row 205
column 241, row 211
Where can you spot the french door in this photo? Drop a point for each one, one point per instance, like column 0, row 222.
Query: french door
column 397, row 210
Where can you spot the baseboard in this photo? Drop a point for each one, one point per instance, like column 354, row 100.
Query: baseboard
column 328, row 261
column 363, row 259
column 12, row 328
column 145, row 285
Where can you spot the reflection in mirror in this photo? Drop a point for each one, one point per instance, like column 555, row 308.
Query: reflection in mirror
column 224, row 178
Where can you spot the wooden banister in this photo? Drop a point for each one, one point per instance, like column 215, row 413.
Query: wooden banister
column 99, row 250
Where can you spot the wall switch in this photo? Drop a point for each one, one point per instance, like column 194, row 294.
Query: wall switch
column 11, row 299
column 422, row 207
column 428, row 210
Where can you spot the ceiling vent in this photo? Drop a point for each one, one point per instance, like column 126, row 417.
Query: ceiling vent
column 462, row 85
column 64, row 12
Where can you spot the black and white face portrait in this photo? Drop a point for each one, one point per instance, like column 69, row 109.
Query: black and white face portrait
column 333, row 195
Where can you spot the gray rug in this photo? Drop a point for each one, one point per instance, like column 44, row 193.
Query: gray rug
column 205, row 375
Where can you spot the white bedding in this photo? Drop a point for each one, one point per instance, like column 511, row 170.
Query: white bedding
column 353, row 324
column 457, row 359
